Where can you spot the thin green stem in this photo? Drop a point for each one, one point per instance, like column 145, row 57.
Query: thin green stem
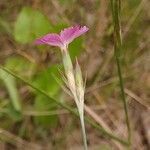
column 69, row 72
column 96, row 126
column 83, row 131
column 116, row 6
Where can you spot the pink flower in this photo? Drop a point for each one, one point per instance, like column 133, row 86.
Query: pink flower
column 65, row 37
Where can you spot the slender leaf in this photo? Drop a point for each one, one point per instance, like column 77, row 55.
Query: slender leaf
column 10, row 84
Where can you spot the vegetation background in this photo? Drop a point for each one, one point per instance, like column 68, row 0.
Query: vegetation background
column 31, row 121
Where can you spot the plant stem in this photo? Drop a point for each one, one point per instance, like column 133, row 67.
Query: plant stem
column 69, row 72
column 116, row 6
column 83, row 131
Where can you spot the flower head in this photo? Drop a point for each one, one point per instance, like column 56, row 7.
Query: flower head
column 65, row 37
column 73, row 78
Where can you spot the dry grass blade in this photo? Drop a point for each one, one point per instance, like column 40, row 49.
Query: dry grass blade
column 101, row 122
column 133, row 18
column 137, row 98
column 17, row 141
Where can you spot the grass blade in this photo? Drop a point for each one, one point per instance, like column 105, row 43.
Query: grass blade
column 116, row 7
column 10, row 84
column 96, row 126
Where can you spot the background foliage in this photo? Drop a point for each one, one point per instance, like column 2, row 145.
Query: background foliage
column 29, row 118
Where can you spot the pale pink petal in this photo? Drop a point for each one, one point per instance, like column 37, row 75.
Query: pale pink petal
column 69, row 34
column 50, row 39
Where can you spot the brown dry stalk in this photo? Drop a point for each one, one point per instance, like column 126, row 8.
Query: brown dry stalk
column 137, row 98
column 101, row 122
column 15, row 140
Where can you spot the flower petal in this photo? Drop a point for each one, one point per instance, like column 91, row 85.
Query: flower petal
column 50, row 39
column 69, row 34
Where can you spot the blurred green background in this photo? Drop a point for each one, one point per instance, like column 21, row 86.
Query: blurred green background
column 29, row 120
